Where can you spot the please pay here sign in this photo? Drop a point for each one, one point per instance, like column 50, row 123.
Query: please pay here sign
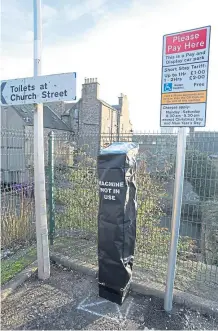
column 184, row 78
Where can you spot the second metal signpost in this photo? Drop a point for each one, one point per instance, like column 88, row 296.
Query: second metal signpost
column 183, row 104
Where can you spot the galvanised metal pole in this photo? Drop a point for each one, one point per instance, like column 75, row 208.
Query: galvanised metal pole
column 39, row 166
column 176, row 214
column 51, row 186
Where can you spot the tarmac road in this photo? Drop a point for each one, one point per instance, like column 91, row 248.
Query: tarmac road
column 69, row 300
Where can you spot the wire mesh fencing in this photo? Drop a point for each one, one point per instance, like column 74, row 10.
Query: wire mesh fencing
column 18, row 227
column 17, row 190
column 73, row 196
column 17, row 202
column 76, row 204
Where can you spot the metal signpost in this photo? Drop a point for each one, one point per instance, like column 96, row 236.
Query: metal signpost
column 39, row 165
column 47, row 88
column 37, row 90
column 183, row 104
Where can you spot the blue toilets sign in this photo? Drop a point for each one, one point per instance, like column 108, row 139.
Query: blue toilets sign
column 40, row 89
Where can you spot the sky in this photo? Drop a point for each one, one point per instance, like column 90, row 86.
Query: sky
column 118, row 42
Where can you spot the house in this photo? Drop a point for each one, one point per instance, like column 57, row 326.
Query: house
column 17, row 140
column 95, row 122
column 88, row 124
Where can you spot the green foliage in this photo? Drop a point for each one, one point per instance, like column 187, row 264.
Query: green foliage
column 210, row 232
column 201, row 173
column 152, row 238
column 80, row 208
column 16, row 219
column 80, row 200
column 12, row 266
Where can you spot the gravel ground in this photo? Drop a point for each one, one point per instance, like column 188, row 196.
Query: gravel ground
column 192, row 277
column 69, row 300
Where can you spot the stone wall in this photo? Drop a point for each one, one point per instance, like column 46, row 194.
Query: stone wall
column 89, row 118
column 99, row 123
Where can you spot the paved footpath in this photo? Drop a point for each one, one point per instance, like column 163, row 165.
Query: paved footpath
column 69, row 300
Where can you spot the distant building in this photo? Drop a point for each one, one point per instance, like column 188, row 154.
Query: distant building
column 17, row 140
column 94, row 121
column 88, row 124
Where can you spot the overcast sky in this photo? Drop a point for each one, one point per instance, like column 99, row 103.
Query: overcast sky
column 117, row 41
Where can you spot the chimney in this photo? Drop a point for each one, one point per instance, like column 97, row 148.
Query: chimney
column 120, row 98
column 90, row 88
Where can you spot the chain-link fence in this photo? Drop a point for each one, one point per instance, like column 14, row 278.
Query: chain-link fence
column 72, row 199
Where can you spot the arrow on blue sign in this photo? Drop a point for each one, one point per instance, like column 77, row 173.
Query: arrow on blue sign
column 3, row 101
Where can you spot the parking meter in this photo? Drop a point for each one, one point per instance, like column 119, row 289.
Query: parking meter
column 116, row 219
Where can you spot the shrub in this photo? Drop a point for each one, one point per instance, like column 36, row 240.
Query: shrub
column 16, row 219
column 80, row 200
column 81, row 208
column 209, row 232
column 201, row 173
column 151, row 238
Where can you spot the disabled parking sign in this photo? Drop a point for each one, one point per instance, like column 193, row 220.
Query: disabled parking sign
column 168, row 87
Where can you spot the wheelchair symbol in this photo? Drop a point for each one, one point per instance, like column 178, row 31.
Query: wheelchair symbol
column 168, row 87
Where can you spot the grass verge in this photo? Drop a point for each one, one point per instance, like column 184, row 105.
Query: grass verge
column 12, row 266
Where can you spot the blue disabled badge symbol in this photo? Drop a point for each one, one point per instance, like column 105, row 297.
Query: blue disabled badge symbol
column 168, row 87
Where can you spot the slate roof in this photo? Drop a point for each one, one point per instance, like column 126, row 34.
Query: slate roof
column 107, row 105
column 71, row 105
column 51, row 120
column 117, row 107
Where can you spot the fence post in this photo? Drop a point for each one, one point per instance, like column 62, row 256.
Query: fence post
column 51, row 186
